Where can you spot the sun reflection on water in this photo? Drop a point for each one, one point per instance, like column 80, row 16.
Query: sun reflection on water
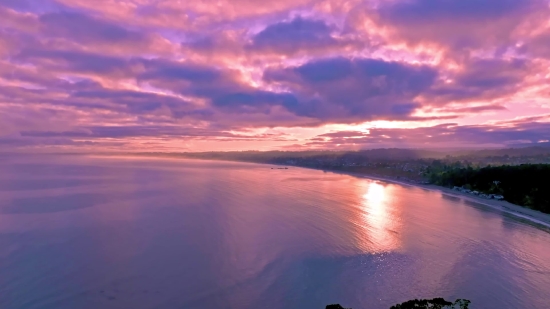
column 375, row 194
column 379, row 218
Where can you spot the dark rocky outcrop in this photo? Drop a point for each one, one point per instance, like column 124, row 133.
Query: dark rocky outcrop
column 436, row 303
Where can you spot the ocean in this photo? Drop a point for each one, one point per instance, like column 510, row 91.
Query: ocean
column 80, row 232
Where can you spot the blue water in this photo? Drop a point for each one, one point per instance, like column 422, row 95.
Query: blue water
column 113, row 232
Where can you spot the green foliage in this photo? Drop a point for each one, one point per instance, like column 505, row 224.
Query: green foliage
column 527, row 184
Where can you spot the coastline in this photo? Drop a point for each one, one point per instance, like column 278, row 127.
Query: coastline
column 520, row 212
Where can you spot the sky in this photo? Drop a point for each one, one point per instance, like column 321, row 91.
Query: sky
column 183, row 75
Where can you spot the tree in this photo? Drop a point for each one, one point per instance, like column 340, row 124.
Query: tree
column 436, row 303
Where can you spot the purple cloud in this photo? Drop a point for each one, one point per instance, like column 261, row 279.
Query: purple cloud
column 433, row 10
column 72, row 61
column 170, row 70
column 289, row 37
column 86, row 29
column 356, row 89
column 80, row 73
column 443, row 135
column 34, row 6
column 460, row 25
column 483, row 79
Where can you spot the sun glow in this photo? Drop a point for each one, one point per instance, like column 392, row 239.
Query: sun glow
column 375, row 195
column 379, row 219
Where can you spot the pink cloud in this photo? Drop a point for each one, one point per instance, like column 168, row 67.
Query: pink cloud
column 77, row 73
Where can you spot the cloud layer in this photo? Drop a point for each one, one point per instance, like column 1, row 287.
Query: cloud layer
column 193, row 76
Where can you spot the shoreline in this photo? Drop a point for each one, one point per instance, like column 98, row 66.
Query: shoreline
column 517, row 211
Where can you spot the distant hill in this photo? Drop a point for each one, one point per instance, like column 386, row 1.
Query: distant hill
column 373, row 154
column 391, row 154
column 512, row 152
column 544, row 145
column 383, row 154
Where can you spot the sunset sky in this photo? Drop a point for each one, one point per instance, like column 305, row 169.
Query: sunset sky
column 183, row 75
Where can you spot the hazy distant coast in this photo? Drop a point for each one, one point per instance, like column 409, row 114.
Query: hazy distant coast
column 429, row 170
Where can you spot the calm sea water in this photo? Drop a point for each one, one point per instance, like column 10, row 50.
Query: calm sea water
column 91, row 232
